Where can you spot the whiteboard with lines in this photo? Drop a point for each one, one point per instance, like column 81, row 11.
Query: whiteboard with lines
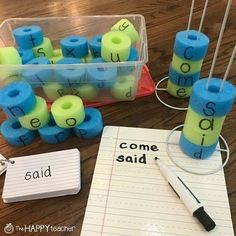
column 129, row 196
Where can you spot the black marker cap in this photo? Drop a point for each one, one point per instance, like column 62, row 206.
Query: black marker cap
column 204, row 219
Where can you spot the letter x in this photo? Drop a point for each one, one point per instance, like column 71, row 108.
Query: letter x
column 32, row 39
column 69, row 52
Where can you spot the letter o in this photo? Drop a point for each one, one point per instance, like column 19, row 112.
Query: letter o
column 185, row 67
column 71, row 122
column 133, row 146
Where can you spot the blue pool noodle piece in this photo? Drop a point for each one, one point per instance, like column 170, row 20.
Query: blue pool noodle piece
column 92, row 125
column 28, row 37
column 211, row 102
column 181, row 79
column 102, row 77
column 70, row 77
column 191, row 45
column 133, row 56
column 38, row 77
column 17, row 99
column 53, row 134
column 15, row 134
column 196, row 151
column 95, row 45
column 74, row 46
column 25, row 54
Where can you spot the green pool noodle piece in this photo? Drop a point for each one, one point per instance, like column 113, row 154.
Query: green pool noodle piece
column 125, row 88
column 200, row 138
column 88, row 58
column 178, row 91
column 115, row 47
column 54, row 90
column 85, row 91
column 83, row 59
column 44, row 50
column 9, row 56
column 126, row 27
column 38, row 117
column 57, row 55
column 186, row 67
column 68, row 111
column 208, row 125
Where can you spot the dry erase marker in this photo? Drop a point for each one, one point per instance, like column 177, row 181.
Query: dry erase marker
column 185, row 194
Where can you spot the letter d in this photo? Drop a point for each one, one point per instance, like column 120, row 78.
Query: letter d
column 198, row 154
column 142, row 159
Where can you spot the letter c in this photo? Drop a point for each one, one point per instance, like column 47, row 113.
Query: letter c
column 123, row 145
column 186, row 53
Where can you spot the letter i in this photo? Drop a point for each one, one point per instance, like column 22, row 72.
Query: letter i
column 203, row 139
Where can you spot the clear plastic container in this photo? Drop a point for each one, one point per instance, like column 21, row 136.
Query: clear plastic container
column 56, row 28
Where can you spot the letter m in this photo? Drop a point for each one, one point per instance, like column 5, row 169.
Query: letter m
column 16, row 111
column 185, row 79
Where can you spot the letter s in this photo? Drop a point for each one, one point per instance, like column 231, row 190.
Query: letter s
column 209, row 109
column 27, row 175
column 120, row 158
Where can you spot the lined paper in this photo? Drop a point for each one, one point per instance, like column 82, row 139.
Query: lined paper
column 134, row 198
column 26, row 179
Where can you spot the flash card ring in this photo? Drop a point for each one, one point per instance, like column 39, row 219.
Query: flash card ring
column 2, row 161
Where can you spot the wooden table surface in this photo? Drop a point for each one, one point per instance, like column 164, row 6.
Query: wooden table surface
column 163, row 19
